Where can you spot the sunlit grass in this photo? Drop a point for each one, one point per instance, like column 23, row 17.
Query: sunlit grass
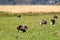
column 35, row 30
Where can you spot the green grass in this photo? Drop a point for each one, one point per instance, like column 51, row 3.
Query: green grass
column 35, row 30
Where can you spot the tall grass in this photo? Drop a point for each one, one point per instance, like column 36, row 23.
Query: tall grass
column 2, row 13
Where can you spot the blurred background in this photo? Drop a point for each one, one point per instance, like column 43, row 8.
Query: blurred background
column 29, row 2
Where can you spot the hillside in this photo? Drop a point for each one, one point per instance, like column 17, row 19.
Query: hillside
column 30, row 8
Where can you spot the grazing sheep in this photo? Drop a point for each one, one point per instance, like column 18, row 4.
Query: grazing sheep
column 52, row 21
column 55, row 16
column 22, row 28
column 19, row 16
column 43, row 22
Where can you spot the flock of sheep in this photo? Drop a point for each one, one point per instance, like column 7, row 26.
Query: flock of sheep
column 52, row 21
column 23, row 28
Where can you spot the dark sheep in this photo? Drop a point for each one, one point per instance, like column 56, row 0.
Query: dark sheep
column 52, row 21
column 55, row 17
column 43, row 22
column 22, row 28
column 19, row 16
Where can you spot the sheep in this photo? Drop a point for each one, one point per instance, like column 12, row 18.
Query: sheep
column 22, row 28
column 52, row 21
column 19, row 16
column 43, row 22
column 55, row 16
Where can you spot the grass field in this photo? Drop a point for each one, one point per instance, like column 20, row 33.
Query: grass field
column 35, row 31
